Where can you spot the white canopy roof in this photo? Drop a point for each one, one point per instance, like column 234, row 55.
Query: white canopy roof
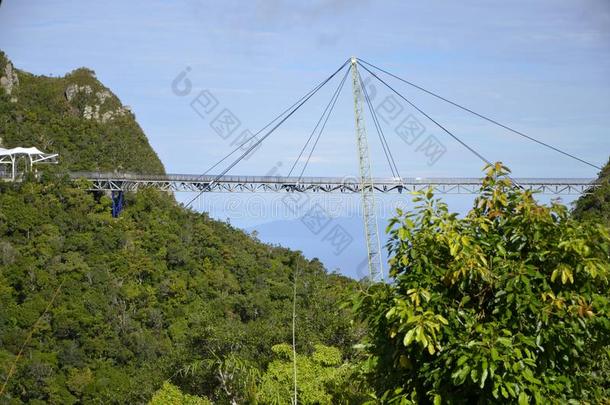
column 21, row 151
column 35, row 155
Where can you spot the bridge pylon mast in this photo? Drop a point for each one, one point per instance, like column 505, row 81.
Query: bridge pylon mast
column 371, row 230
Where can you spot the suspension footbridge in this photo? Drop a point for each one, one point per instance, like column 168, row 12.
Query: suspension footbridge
column 256, row 184
column 364, row 184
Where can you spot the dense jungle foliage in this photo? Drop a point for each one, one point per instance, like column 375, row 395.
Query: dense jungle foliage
column 595, row 205
column 159, row 293
column 508, row 304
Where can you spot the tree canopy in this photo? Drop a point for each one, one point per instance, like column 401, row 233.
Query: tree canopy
column 595, row 205
column 160, row 293
column 322, row 378
column 509, row 303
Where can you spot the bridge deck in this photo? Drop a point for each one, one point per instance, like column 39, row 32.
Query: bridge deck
column 197, row 183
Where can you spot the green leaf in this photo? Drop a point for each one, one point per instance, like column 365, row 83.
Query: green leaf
column 529, row 376
column 554, row 275
column 403, row 234
column 504, row 341
column 483, row 377
column 501, row 249
column 463, row 373
column 408, row 339
column 474, row 375
column 494, row 354
column 453, row 248
column 442, row 320
column 523, row 398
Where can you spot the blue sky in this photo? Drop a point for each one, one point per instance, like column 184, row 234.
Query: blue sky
column 541, row 66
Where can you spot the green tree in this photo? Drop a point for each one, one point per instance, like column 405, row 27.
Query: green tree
column 169, row 394
column 322, row 378
column 508, row 304
column 595, row 204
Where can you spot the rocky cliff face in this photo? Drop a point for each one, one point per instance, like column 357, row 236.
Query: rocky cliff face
column 9, row 79
column 98, row 110
column 75, row 116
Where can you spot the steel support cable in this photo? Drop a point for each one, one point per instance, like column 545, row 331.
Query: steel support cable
column 332, row 106
column 317, row 124
column 245, row 142
column 429, row 117
column 382, row 138
column 481, row 115
column 259, row 141
column 383, row 145
column 464, row 144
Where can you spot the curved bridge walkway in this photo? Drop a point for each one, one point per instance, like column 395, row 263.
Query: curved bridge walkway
column 214, row 183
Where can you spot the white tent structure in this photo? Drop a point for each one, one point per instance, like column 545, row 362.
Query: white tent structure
column 33, row 156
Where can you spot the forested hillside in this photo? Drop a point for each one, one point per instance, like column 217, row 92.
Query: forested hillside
column 74, row 115
column 595, row 206
column 158, row 293
column 160, row 297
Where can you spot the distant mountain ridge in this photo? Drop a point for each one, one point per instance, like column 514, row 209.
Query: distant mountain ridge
column 75, row 116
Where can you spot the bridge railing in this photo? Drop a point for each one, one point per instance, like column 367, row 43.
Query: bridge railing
column 313, row 180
